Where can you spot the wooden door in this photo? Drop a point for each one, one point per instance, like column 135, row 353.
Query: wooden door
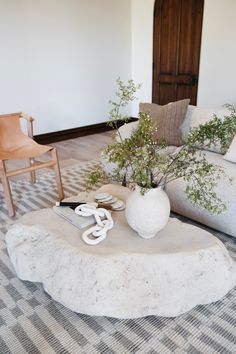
column 176, row 49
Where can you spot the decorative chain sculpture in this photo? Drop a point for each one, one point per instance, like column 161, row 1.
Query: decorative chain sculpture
column 103, row 219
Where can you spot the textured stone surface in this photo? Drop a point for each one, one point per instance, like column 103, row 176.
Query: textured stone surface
column 125, row 276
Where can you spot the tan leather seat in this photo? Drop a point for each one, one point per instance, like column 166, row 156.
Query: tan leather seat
column 15, row 145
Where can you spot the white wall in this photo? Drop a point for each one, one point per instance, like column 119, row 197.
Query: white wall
column 142, row 43
column 59, row 59
column 217, row 77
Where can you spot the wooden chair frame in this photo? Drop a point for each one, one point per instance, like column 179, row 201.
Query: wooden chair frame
column 33, row 166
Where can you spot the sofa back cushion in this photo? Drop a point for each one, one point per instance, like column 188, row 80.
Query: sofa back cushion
column 168, row 119
column 126, row 130
column 198, row 115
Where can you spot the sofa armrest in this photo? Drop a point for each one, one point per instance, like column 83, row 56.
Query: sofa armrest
column 127, row 129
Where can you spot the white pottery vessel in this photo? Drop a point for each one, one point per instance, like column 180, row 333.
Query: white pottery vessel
column 148, row 213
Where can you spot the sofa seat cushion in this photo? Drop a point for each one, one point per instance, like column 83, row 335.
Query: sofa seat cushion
column 225, row 222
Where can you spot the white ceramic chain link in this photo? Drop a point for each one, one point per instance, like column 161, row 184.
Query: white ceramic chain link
column 103, row 219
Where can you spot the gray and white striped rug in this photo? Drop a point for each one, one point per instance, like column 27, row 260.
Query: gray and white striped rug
column 31, row 322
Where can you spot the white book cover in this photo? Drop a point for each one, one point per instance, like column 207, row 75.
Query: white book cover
column 69, row 215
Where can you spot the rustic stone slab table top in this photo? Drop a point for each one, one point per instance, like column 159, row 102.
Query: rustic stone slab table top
column 124, row 276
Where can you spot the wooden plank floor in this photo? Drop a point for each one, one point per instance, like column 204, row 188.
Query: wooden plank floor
column 72, row 151
column 82, row 149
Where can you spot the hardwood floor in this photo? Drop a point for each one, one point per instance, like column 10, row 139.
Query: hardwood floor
column 72, row 151
column 82, row 149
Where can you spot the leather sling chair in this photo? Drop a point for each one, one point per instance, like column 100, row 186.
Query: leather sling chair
column 15, row 145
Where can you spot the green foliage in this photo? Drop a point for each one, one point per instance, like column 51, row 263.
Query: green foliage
column 144, row 161
column 125, row 94
column 138, row 155
column 94, row 177
column 215, row 131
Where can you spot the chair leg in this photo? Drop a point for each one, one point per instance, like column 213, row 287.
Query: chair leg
column 6, row 189
column 32, row 173
column 57, row 173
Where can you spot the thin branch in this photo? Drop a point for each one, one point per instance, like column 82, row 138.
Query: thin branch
column 170, row 164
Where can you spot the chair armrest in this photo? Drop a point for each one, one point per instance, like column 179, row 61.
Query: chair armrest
column 29, row 124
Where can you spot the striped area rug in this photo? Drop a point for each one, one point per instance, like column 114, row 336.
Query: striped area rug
column 31, row 322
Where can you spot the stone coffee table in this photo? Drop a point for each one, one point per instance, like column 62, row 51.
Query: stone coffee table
column 124, row 276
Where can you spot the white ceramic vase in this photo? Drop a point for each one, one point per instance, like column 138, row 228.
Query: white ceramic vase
column 147, row 213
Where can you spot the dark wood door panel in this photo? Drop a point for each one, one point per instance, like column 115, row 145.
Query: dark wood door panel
column 177, row 79
column 168, row 31
column 176, row 49
column 167, row 93
column 184, row 91
column 190, row 36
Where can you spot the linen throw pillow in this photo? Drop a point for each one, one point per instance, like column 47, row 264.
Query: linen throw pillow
column 168, row 119
column 231, row 152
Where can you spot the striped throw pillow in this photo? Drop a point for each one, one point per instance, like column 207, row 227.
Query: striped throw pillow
column 168, row 119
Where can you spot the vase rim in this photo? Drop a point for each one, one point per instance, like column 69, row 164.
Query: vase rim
column 148, row 189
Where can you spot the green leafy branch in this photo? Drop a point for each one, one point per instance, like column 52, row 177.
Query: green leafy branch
column 142, row 160
column 215, row 131
column 126, row 94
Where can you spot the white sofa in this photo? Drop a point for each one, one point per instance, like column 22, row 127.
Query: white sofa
column 225, row 222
